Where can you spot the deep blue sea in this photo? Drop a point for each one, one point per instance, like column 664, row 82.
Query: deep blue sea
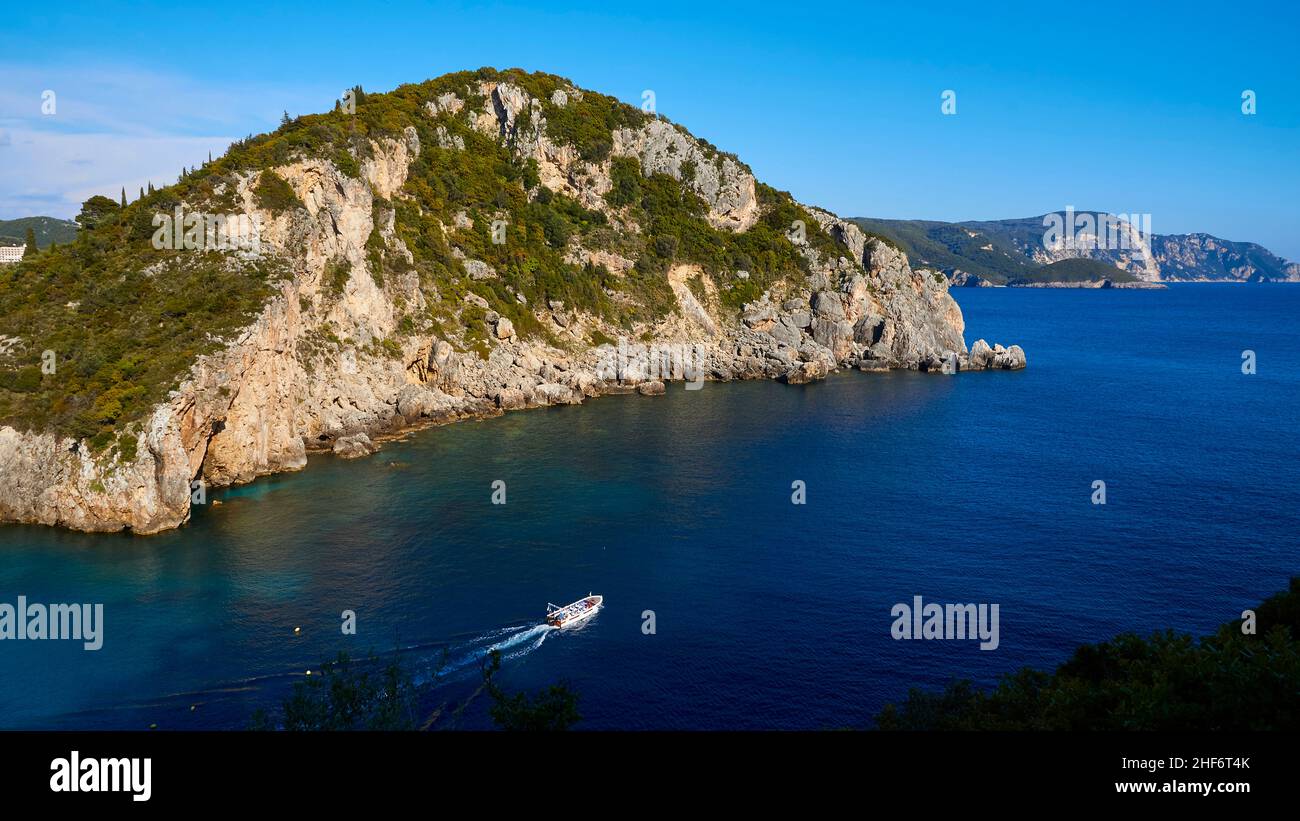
column 975, row 488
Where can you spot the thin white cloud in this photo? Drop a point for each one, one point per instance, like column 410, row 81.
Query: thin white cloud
column 51, row 174
column 116, row 126
column 132, row 101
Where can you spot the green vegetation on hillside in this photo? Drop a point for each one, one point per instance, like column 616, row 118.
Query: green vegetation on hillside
column 122, row 320
column 1229, row 681
column 487, row 182
column 1002, row 250
column 125, row 320
column 996, row 251
column 1077, row 269
column 274, row 194
column 948, row 247
column 47, row 231
column 677, row 232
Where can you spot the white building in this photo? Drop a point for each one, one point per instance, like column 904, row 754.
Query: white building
column 11, row 254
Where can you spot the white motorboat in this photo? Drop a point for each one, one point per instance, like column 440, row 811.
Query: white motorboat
column 571, row 614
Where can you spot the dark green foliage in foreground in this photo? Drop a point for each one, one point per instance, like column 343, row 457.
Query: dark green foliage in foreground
column 378, row 695
column 1224, row 682
column 555, row 708
column 345, row 695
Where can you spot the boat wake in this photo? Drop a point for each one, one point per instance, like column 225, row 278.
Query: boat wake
column 458, row 659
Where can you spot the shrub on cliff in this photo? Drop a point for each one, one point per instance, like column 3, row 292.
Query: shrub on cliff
column 274, row 193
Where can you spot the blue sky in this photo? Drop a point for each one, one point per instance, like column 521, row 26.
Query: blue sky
column 1130, row 108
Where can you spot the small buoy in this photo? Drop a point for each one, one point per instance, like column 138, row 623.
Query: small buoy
column 297, row 630
column 153, row 726
column 193, row 707
column 309, row 672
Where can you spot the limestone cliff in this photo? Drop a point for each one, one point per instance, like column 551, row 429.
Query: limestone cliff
column 387, row 319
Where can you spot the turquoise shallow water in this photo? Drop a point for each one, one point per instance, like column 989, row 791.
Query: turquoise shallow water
column 968, row 489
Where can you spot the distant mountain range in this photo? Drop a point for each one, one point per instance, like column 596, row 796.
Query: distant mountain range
column 48, row 230
column 1014, row 251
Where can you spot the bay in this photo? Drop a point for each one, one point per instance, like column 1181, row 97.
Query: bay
column 976, row 488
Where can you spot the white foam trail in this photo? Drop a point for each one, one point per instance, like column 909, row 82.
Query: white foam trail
column 502, row 641
column 538, row 633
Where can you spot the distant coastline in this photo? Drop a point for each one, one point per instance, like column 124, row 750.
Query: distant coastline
column 1106, row 246
column 1095, row 284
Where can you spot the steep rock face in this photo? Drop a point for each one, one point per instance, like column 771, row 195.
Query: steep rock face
column 1125, row 247
column 324, row 367
column 248, row 410
column 1203, row 257
column 725, row 186
column 899, row 317
column 55, row 481
column 516, row 117
column 256, row 429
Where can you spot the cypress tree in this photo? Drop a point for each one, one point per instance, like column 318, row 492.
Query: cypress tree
column 31, row 242
column 124, row 196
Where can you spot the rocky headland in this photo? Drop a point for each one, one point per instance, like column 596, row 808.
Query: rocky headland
column 392, row 312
